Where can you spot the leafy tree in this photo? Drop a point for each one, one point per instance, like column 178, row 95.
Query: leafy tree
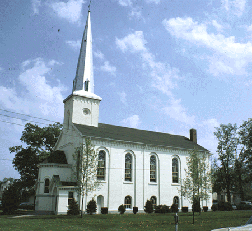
column 245, row 134
column 197, row 182
column 227, row 146
column 85, row 169
column 11, row 197
column 39, row 143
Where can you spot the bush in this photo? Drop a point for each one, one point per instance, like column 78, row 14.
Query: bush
column 91, row 207
column 135, row 210
column 174, row 208
column 196, row 205
column 224, row 206
column 162, row 209
column 148, row 208
column 205, row 208
column 121, row 209
column 11, row 198
column 73, row 208
column 185, row 209
column 104, row 210
column 214, row 207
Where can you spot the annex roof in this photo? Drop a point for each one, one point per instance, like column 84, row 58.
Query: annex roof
column 107, row 131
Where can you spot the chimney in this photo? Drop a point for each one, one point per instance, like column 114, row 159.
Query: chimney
column 193, row 135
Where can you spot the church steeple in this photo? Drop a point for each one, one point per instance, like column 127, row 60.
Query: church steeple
column 82, row 106
column 84, row 79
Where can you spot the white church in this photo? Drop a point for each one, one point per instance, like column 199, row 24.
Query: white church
column 134, row 165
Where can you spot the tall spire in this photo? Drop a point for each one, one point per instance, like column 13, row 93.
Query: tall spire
column 84, row 79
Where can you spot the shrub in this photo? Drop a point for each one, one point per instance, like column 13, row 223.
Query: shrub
column 205, row 208
column 196, row 205
column 224, row 206
column 214, row 207
column 185, row 209
column 121, row 209
column 148, row 208
column 162, row 209
column 135, row 210
column 73, row 208
column 174, row 208
column 11, row 198
column 104, row 210
column 91, row 207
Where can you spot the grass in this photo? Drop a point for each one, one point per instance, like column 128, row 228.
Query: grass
column 205, row 221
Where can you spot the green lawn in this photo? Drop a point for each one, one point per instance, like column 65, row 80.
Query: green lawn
column 205, row 221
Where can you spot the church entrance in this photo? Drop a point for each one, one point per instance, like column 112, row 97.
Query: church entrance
column 100, row 203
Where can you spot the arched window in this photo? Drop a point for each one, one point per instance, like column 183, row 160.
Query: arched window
column 127, row 202
column 154, row 201
column 47, row 182
column 153, row 168
column 128, row 167
column 175, row 170
column 176, row 200
column 101, row 165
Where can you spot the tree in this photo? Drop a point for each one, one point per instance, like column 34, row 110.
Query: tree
column 39, row 143
column 11, row 197
column 197, row 183
column 245, row 134
column 86, row 170
column 73, row 208
column 148, row 208
column 91, row 206
column 226, row 149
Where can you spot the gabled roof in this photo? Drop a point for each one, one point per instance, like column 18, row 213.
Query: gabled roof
column 107, row 131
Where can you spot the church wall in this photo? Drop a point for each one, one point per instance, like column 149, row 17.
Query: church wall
column 115, row 188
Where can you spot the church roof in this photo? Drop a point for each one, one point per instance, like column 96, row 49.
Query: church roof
column 107, row 131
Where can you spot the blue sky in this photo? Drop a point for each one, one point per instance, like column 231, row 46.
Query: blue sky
column 159, row 65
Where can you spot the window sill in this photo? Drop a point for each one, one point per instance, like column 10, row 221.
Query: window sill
column 153, row 183
column 128, row 182
column 101, row 181
column 175, row 184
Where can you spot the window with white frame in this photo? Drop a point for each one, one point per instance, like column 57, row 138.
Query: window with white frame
column 70, row 197
column 153, row 168
column 101, row 165
column 127, row 202
column 175, row 170
column 128, row 167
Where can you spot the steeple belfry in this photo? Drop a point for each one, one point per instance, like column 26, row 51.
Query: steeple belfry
column 84, row 79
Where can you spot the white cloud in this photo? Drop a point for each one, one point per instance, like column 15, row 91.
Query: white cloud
column 218, row 26
column 108, row 68
column 125, row 2
column 229, row 56
column 134, row 42
column 74, row 44
column 132, row 121
column 178, row 112
column 70, row 10
column 136, row 13
column 235, row 7
column 162, row 74
column 122, row 96
column 35, row 96
column 99, row 54
column 1, row 69
column 35, row 6
column 153, row 1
